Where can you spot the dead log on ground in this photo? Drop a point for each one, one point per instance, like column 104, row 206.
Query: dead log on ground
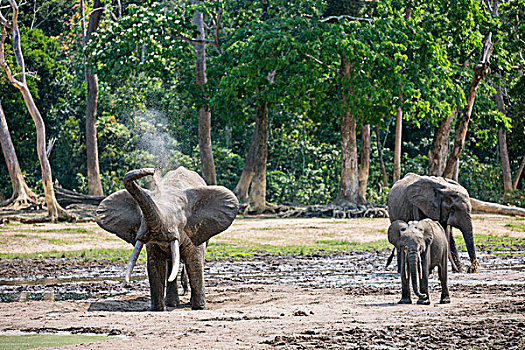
column 68, row 197
column 494, row 208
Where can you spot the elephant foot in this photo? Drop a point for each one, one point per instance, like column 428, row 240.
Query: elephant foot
column 474, row 267
column 172, row 303
column 157, row 308
column 405, row 301
column 445, row 300
column 199, row 307
column 423, row 301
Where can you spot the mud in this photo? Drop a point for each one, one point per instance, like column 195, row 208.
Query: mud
column 289, row 302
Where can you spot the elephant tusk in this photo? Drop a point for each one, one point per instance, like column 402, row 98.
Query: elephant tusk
column 133, row 259
column 175, row 260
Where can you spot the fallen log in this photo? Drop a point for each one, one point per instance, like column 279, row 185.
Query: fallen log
column 67, row 197
column 494, row 208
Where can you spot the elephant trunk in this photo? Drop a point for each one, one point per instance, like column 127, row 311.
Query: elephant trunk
column 175, row 260
column 415, row 273
column 147, row 205
column 466, row 229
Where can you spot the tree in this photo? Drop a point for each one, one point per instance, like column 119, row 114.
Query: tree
column 55, row 211
column 93, row 167
column 22, row 194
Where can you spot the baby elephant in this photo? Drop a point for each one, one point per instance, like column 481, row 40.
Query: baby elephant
column 422, row 245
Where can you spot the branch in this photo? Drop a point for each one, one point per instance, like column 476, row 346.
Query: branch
column 196, row 41
column 3, row 63
column 218, row 26
column 329, row 18
column 321, row 62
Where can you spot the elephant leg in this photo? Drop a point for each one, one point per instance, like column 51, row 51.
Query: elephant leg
column 405, row 282
column 455, row 261
column 156, row 276
column 194, row 265
column 184, row 281
column 172, row 292
column 443, row 278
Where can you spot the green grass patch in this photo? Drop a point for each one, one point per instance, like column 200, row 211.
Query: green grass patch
column 31, row 341
column 19, row 235
column 323, row 247
column 269, row 228
column 87, row 254
column 492, row 243
column 516, row 227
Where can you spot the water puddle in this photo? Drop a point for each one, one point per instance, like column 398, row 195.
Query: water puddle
column 354, row 269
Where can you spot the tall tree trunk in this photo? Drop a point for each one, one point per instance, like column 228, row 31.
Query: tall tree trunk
column 364, row 165
column 243, row 186
column 22, row 194
column 204, row 131
column 55, row 211
column 398, row 143
column 381, row 161
column 93, row 167
column 349, row 183
column 257, row 200
column 481, row 70
column 437, row 156
column 502, row 142
column 518, row 174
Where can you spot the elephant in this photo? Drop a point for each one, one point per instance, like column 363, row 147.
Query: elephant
column 174, row 221
column 423, row 246
column 417, row 197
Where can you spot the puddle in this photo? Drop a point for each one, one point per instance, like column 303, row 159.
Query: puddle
column 70, row 279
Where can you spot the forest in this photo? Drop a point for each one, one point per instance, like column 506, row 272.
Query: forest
column 303, row 102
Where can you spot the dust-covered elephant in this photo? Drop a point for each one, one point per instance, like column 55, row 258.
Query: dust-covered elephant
column 174, row 221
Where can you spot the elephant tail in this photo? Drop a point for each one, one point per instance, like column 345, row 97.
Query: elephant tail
column 389, row 260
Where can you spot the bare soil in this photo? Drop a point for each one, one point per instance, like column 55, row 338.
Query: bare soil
column 319, row 302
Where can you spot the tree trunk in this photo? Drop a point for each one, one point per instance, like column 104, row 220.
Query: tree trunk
column 494, row 208
column 243, row 186
column 437, row 156
column 22, row 194
column 481, row 70
column 257, row 200
column 381, row 162
column 349, row 183
column 204, row 132
column 55, row 211
column 502, row 142
column 518, row 174
column 93, row 168
column 364, row 165
column 397, row 147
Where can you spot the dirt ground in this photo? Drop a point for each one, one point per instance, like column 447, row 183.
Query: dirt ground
column 344, row 301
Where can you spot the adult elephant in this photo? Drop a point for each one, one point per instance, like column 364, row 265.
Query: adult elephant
column 174, row 221
column 417, row 197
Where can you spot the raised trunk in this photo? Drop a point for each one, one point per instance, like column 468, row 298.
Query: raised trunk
column 481, row 69
column 349, row 183
column 22, row 194
column 437, row 156
column 364, row 165
column 381, row 162
column 150, row 211
column 257, row 200
column 204, row 131
column 243, row 186
column 398, row 142
column 93, row 168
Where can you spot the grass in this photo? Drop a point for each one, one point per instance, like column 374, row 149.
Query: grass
column 516, row 227
column 31, row 341
column 87, row 254
column 493, row 243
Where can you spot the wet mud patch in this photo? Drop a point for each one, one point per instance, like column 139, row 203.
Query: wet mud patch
column 487, row 334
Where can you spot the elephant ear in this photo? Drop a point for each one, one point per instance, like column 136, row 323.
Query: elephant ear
column 394, row 232
column 210, row 210
column 121, row 215
column 425, row 195
column 431, row 228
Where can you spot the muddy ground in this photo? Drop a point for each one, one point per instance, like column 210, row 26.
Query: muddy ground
column 290, row 302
